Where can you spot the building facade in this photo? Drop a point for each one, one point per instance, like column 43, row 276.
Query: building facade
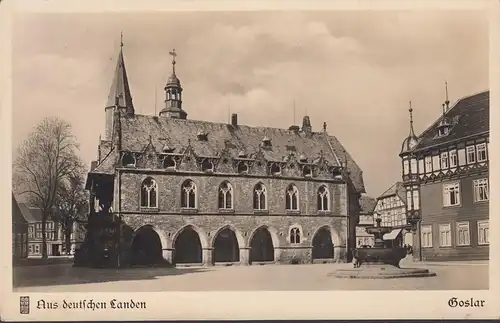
column 53, row 231
column 391, row 209
column 169, row 189
column 19, row 233
column 366, row 219
column 446, row 176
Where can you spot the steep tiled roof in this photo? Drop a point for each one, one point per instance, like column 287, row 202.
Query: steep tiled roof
column 367, row 204
column 396, row 189
column 178, row 134
column 17, row 215
column 469, row 116
column 30, row 214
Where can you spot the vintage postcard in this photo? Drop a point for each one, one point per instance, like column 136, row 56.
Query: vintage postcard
column 250, row 160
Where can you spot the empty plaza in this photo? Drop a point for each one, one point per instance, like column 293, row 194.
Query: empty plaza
column 65, row 278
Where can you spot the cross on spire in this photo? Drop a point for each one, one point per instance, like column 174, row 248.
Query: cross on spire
column 173, row 53
column 121, row 39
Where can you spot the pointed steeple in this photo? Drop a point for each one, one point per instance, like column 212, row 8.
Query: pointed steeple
column 412, row 140
column 119, row 98
column 412, row 132
column 119, row 93
column 444, row 125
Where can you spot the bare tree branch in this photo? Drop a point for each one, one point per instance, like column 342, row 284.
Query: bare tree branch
column 45, row 160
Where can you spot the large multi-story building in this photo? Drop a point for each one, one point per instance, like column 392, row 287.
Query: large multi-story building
column 53, row 231
column 391, row 209
column 446, row 176
column 167, row 188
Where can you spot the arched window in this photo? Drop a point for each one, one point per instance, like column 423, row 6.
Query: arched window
column 323, row 199
column 149, row 193
column 188, row 195
column 292, row 198
column 225, row 196
column 295, row 235
column 259, row 197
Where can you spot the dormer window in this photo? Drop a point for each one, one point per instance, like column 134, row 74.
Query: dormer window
column 306, row 171
column 242, row 154
column 443, row 131
column 242, row 168
column 207, row 166
column 275, row 169
column 303, row 158
column 202, row 136
column 443, row 128
column 128, row 159
column 266, row 142
column 337, row 172
column 169, row 163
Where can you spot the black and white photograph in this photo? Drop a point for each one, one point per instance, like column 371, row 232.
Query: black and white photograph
column 284, row 150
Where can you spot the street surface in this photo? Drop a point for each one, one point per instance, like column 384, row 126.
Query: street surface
column 65, row 278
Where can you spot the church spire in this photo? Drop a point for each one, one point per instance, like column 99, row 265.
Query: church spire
column 412, row 132
column 412, row 140
column 173, row 94
column 119, row 93
column 119, row 98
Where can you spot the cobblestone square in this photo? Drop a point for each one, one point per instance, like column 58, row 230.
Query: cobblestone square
column 65, row 278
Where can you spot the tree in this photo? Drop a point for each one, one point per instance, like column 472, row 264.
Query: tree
column 71, row 206
column 45, row 159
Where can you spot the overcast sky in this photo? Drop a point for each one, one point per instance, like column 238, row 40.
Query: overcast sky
column 354, row 70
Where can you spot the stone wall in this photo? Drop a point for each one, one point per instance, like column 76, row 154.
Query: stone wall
column 169, row 219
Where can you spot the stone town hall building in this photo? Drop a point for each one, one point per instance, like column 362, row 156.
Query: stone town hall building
column 167, row 188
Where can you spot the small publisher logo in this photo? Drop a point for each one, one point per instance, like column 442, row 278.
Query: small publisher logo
column 24, row 304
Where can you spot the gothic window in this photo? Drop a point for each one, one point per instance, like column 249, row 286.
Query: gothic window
column 225, row 196
column 128, row 159
column 323, row 199
column 149, row 193
column 295, row 235
column 260, row 197
column 188, row 195
column 292, row 198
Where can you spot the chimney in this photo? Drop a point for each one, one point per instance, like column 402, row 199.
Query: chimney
column 234, row 120
column 294, row 129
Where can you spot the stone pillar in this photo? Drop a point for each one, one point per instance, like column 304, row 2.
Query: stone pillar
column 244, row 256
column 207, row 256
column 339, row 253
column 167, row 254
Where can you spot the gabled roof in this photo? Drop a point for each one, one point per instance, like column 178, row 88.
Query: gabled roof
column 469, row 116
column 17, row 215
column 139, row 130
column 30, row 214
column 119, row 93
column 397, row 189
column 367, row 204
